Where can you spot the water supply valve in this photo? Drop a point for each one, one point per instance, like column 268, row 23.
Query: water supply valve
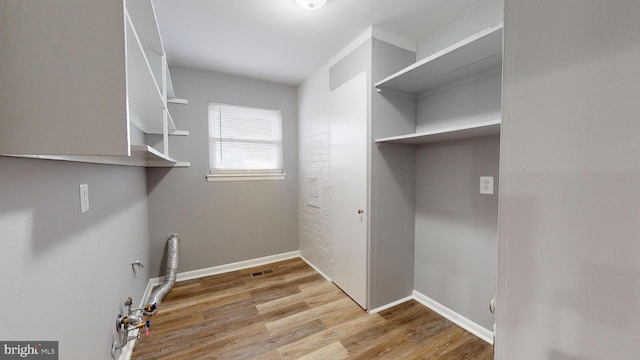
column 134, row 320
column 150, row 309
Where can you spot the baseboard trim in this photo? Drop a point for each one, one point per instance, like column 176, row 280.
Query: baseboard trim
column 315, row 268
column 220, row 269
column 390, row 305
column 454, row 317
column 147, row 292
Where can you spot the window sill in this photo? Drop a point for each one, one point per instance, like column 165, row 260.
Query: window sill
column 245, row 177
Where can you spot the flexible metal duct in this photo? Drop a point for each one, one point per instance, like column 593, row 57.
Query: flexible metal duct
column 169, row 278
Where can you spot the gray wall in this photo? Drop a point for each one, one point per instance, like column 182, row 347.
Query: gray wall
column 474, row 101
column 569, row 265
column 222, row 222
column 456, row 226
column 53, row 52
column 65, row 274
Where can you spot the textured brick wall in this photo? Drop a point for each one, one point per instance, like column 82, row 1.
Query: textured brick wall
column 314, row 220
column 314, row 190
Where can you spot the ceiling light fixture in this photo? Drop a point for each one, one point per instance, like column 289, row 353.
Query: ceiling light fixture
column 311, row 4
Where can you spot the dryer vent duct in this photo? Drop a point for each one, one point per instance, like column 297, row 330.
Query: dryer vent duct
column 170, row 274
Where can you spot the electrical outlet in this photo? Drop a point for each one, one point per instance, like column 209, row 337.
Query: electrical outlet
column 84, row 198
column 486, row 185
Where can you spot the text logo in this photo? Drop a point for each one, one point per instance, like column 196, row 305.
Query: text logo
column 16, row 350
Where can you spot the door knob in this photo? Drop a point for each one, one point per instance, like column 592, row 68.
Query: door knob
column 492, row 305
column 360, row 211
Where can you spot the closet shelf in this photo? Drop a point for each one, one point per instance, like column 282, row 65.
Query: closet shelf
column 445, row 134
column 474, row 55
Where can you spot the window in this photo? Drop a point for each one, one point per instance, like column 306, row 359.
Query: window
column 244, row 143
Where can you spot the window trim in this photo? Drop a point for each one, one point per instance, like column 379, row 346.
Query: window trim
column 249, row 176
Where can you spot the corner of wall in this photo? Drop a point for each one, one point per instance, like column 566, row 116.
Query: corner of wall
column 488, row 15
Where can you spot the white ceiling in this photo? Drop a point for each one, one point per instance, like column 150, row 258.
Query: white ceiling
column 276, row 40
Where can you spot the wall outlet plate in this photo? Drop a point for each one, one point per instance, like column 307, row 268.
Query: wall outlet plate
column 84, row 198
column 486, row 185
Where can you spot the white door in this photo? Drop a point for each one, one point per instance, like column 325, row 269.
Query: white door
column 349, row 188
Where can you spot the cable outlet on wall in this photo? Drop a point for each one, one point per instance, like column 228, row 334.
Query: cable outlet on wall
column 84, row 198
column 486, row 185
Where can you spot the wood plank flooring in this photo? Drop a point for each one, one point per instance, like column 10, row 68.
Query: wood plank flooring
column 294, row 313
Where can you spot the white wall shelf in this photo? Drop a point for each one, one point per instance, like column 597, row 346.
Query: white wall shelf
column 173, row 100
column 146, row 104
column 150, row 157
column 141, row 155
column 126, row 87
column 142, row 14
column 171, row 133
column 170, row 92
column 475, row 130
column 474, row 55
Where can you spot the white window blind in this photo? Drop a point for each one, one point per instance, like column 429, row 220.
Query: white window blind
column 244, row 141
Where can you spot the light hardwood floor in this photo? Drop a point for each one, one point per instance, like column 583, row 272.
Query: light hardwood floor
column 294, row 313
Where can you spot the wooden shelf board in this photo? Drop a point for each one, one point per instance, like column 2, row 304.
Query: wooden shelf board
column 474, row 55
column 446, row 134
